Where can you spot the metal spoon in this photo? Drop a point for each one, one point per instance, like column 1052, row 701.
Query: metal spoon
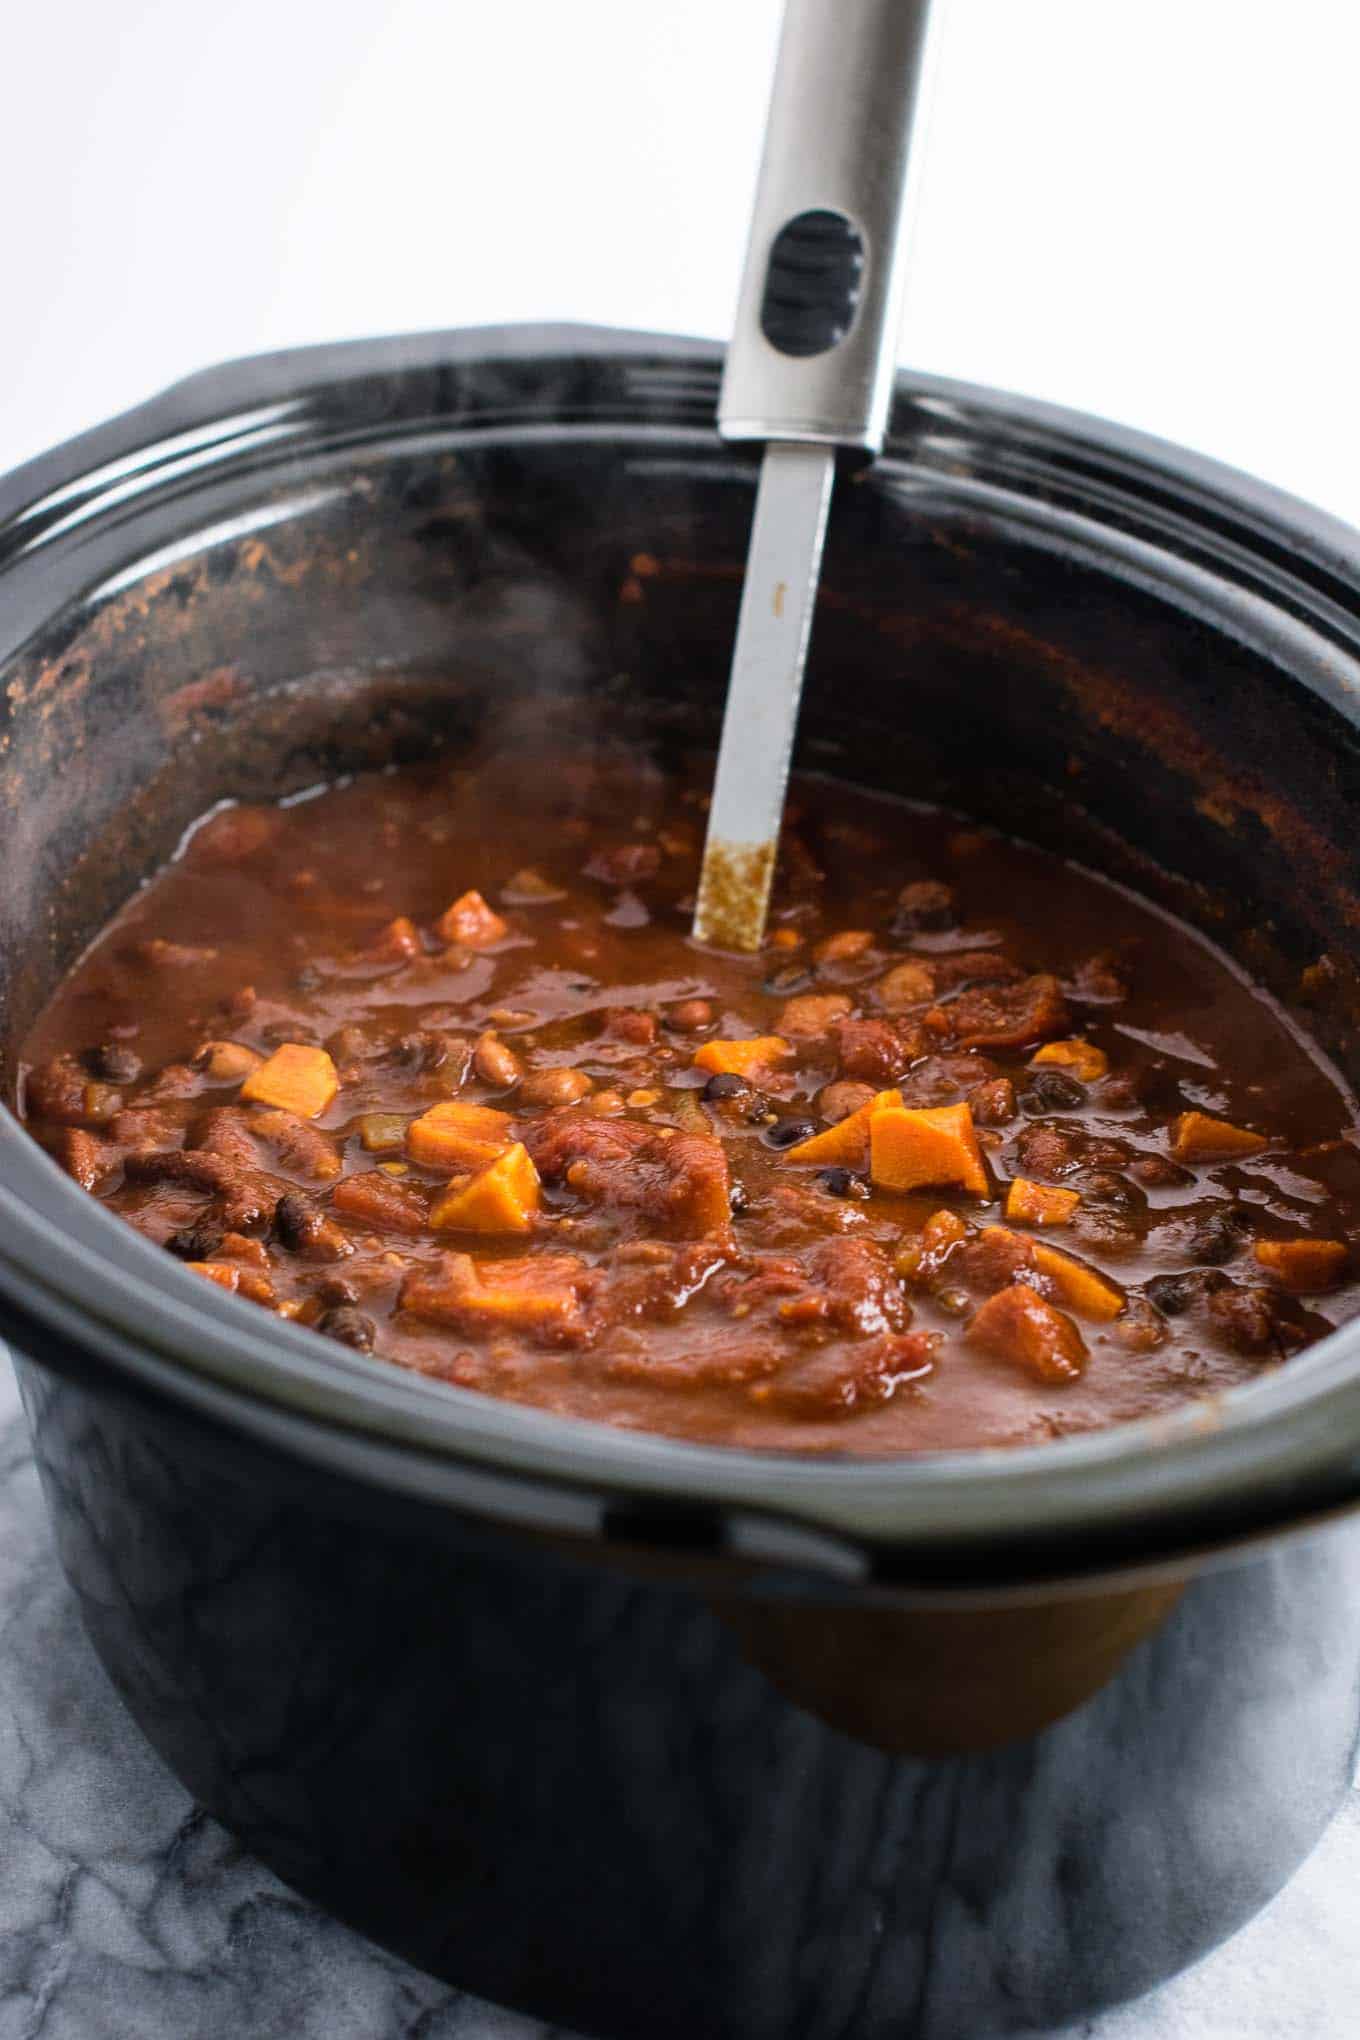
column 809, row 370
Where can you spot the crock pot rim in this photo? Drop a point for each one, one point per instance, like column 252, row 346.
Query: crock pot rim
column 1262, row 1456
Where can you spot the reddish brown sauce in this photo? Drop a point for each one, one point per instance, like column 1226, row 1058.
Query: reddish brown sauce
column 425, row 941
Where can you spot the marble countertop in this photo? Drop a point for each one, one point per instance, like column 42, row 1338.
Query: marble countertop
column 124, row 1910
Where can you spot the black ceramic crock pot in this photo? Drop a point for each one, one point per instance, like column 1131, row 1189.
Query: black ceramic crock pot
column 642, row 1736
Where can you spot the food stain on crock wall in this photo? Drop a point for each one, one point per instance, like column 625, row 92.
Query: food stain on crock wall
column 1149, row 722
column 1105, row 701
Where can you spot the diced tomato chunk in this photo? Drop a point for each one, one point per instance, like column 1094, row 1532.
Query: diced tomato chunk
column 378, row 1200
column 877, row 1051
column 1002, row 1015
column 542, row 1296
column 677, row 1182
column 1019, row 1325
column 86, row 1157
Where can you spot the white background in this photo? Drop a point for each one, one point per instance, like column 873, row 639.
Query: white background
column 1145, row 210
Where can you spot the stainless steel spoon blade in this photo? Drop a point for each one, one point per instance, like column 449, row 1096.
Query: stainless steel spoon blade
column 777, row 600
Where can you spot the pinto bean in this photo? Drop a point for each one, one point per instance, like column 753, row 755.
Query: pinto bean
column 690, row 1016
column 925, row 907
column 349, row 1326
column 837, row 1101
column 496, row 1064
column 228, row 1062
column 843, row 947
column 114, row 1062
column 554, row 1087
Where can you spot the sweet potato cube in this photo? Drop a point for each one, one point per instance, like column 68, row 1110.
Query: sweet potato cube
column 846, row 1144
column 382, row 1133
column 942, row 1230
column 458, row 1135
column 220, row 1272
column 741, row 1058
column 237, row 1247
column 1039, row 1203
column 398, row 942
column 230, row 1275
column 921, row 1259
column 909, row 1149
column 471, row 922
column 1082, row 1058
column 502, row 1197
column 1200, row 1138
column 1303, row 1264
column 1019, row 1325
column 1080, row 1288
column 296, row 1079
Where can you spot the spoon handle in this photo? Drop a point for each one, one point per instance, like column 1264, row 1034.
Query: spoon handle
column 815, row 343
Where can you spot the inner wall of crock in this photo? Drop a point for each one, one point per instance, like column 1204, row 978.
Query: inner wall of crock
column 436, row 599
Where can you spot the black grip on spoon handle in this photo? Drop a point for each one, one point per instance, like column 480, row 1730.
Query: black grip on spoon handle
column 815, row 343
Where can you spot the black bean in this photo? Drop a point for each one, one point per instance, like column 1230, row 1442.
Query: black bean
column 838, row 1182
column 1159, row 1092
column 195, row 1242
column 415, row 1050
column 725, row 1084
column 926, row 907
column 739, row 1200
column 1217, row 1237
column 309, row 978
column 786, row 1133
column 349, row 1326
column 337, row 1289
column 1051, row 1091
column 295, row 1218
column 114, row 1063
column 784, row 983
column 1174, row 1294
